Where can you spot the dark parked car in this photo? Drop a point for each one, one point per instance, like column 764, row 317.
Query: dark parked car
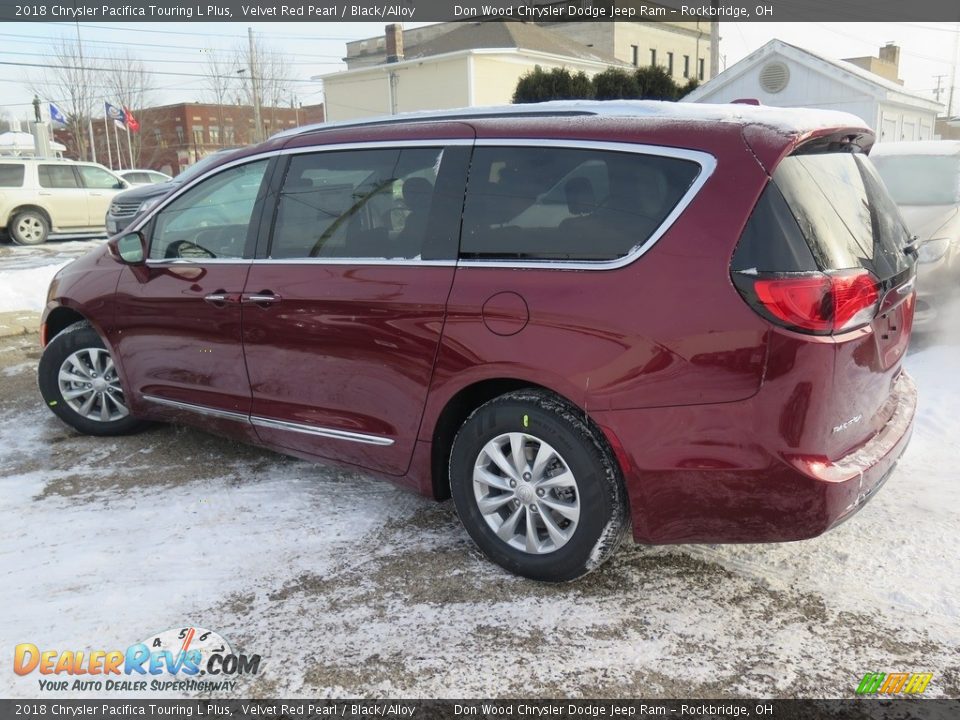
column 569, row 317
column 127, row 206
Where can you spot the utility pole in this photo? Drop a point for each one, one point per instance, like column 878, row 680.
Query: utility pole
column 257, row 126
column 953, row 70
column 938, row 90
column 93, row 146
column 714, row 42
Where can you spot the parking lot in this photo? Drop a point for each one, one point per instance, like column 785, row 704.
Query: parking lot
column 347, row 586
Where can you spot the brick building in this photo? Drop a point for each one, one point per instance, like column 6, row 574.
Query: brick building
column 173, row 137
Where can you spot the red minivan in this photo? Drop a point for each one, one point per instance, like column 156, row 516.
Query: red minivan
column 570, row 317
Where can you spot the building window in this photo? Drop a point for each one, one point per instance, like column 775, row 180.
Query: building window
column 228, row 135
column 653, row 57
column 686, row 66
column 198, row 136
column 179, row 135
column 636, row 54
column 700, row 68
column 214, row 133
column 670, row 63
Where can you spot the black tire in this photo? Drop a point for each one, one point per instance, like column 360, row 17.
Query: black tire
column 79, row 337
column 29, row 227
column 542, row 418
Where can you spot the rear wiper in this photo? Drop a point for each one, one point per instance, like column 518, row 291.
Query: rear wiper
column 911, row 247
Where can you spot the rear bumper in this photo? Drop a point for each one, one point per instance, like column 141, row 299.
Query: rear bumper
column 690, row 480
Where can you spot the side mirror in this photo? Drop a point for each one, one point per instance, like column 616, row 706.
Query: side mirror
column 121, row 185
column 131, row 248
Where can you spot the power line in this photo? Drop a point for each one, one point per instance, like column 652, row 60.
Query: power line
column 34, row 39
column 152, row 60
column 157, row 72
column 265, row 33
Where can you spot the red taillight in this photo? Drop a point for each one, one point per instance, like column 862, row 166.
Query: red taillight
column 802, row 302
column 856, row 295
column 819, row 303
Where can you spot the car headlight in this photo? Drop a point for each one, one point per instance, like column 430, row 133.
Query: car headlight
column 933, row 250
column 147, row 204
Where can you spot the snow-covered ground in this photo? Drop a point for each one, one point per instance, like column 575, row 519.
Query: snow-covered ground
column 25, row 272
column 348, row 586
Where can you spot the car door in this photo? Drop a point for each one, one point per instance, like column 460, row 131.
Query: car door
column 101, row 186
column 344, row 309
column 63, row 195
column 177, row 328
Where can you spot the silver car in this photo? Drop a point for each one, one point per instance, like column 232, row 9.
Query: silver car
column 924, row 180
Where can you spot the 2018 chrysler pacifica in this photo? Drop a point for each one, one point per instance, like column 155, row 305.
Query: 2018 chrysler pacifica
column 570, row 317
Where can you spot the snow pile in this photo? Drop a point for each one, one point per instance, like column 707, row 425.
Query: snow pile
column 26, row 271
column 26, row 289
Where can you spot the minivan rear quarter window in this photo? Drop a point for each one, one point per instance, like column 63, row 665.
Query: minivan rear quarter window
column 549, row 203
column 11, row 175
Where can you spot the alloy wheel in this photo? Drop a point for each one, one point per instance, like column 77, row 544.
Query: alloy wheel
column 30, row 229
column 90, row 386
column 526, row 493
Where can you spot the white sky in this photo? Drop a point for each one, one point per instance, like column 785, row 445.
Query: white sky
column 316, row 48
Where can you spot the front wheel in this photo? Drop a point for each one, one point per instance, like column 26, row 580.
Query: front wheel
column 537, row 486
column 29, row 228
column 79, row 383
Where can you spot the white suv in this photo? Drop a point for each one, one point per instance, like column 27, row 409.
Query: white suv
column 42, row 197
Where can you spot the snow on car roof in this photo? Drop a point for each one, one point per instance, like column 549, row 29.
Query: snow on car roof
column 917, row 147
column 786, row 120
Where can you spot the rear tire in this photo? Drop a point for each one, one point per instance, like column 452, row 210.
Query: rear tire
column 537, row 487
column 79, row 383
column 29, row 227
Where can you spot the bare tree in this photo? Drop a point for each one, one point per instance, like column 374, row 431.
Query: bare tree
column 222, row 84
column 272, row 68
column 131, row 85
column 69, row 80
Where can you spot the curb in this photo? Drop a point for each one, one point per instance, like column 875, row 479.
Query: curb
column 19, row 322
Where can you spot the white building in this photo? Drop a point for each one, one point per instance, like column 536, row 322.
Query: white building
column 784, row 75
column 466, row 65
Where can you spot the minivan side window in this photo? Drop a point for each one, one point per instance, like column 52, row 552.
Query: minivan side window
column 97, row 179
column 211, row 219
column 356, row 204
column 57, row 176
column 549, row 203
column 11, row 175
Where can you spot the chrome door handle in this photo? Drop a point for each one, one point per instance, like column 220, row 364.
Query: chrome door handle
column 262, row 298
column 221, row 298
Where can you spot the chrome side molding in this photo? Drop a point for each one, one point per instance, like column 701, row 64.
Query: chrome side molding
column 273, row 424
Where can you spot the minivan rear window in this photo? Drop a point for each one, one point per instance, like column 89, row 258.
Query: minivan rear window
column 844, row 212
column 548, row 203
column 11, row 175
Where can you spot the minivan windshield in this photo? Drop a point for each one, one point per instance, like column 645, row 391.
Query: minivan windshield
column 921, row 179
